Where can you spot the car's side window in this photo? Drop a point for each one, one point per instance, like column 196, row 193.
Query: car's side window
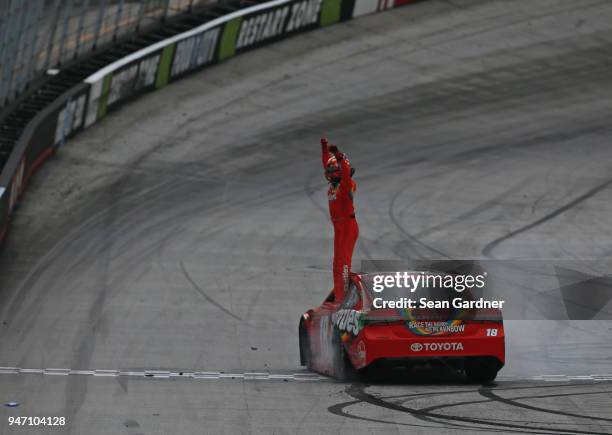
column 352, row 297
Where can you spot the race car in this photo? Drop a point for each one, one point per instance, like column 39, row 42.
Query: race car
column 402, row 327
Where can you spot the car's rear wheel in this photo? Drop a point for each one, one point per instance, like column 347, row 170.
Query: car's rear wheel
column 305, row 350
column 482, row 370
column 343, row 369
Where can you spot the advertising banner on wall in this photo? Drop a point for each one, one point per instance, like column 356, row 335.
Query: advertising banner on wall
column 195, row 52
column 278, row 22
column 222, row 38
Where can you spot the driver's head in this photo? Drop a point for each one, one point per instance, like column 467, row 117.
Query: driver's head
column 332, row 170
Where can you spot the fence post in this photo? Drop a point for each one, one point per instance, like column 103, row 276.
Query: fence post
column 101, row 8
column 118, row 19
column 4, row 24
column 35, row 39
column 25, row 46
column 56, row 7
column 140, row 15
column 166, row 7
column 11, row 61
column 66, row 19
column 4, row 63
column 84, row 10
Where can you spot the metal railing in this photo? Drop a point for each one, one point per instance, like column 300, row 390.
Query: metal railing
column 37, row 35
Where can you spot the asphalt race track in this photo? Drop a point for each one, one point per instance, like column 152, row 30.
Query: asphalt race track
column 168, row 252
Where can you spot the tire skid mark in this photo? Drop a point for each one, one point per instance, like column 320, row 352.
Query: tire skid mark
column 18, row 299
column 357, row 391
column 339, row 410
column 411, row 239
column 486, row 251
column 198, row 289
column 489, row 394
column 478, row 209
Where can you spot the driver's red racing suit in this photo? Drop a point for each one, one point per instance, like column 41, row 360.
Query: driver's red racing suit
column 346, row 230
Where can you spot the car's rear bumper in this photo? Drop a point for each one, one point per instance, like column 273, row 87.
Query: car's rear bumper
column 375, row 345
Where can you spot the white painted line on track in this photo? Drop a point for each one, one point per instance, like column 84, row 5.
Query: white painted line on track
column 166, row 374
column 258, row 376
column 82, row 372
column 30, row 371
column 231, row 375
column 157, row 374
column 131, row 373
column 206, row 375
column 113, row 373
column 56, row 372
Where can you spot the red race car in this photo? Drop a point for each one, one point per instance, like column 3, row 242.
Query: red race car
column 370, row 328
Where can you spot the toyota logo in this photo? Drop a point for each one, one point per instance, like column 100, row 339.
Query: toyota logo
column 416, row 347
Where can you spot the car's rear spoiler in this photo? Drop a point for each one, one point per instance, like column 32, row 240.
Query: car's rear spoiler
column 374, row 316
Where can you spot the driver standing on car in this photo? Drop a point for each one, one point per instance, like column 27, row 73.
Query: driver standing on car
column 340, row 194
